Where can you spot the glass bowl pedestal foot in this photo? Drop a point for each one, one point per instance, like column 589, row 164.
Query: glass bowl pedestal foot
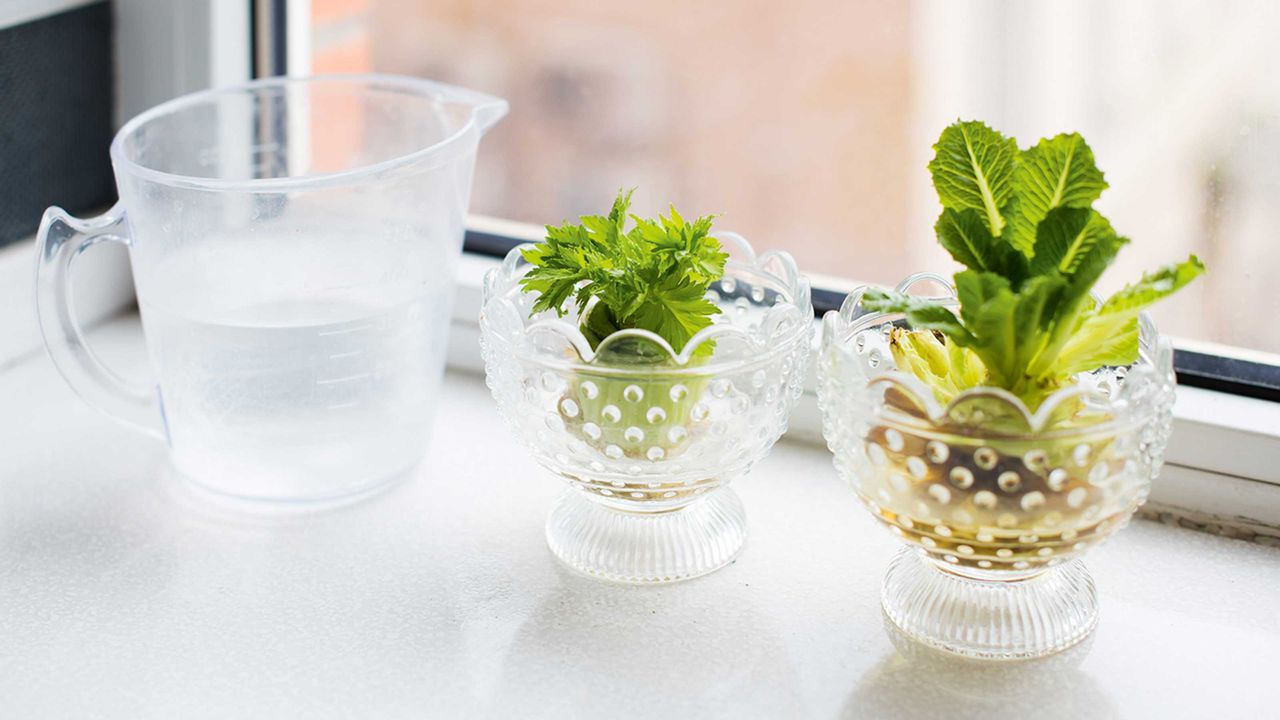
column 1002, row 619
column 647, row 547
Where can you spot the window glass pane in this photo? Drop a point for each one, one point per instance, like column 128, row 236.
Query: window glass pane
column 807, row 125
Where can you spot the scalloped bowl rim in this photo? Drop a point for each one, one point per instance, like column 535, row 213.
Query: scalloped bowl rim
column 501, row 281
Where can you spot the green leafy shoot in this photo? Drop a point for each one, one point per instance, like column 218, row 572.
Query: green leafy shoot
column 654, row 276
column 1022, row 224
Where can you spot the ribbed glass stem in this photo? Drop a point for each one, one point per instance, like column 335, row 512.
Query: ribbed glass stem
column 990, row 619
column 613, row 544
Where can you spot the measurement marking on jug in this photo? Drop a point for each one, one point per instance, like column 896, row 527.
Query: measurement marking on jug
column 348, row 378
column 339, row 406
column 345, row 331
column 353, row 353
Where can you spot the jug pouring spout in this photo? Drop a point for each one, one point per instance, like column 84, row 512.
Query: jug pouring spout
column 483, row 110
column 489, row 112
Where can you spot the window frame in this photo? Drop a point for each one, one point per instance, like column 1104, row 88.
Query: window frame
column 17, row 12
column 162, row 49
column 1219, row 466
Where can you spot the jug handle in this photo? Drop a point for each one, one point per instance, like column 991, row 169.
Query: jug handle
column 59, row 242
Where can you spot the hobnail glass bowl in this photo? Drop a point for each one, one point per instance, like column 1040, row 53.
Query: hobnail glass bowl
column 997, row 518
column 648, row 438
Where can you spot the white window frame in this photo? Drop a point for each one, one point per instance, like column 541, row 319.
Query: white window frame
column 163, row 48
column 1222, row 466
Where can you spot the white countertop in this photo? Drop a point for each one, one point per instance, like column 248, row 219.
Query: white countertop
column 123, row 595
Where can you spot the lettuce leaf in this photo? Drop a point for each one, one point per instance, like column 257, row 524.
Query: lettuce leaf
column 965, row 235
column 944, row 366
column 973, row 168
column 1108, row 335
column 1055, row 172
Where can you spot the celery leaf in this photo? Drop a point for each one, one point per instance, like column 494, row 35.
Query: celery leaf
column 654, row 276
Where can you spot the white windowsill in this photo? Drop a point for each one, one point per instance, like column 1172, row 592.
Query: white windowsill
column 124, row 596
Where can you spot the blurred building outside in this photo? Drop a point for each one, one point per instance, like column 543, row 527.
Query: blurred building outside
column 807, row 126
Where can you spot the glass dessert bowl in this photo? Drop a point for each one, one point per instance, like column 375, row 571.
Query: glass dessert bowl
column 995, row 503
column 648, row 437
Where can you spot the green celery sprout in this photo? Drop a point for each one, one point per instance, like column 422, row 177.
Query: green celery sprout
column 653, row 276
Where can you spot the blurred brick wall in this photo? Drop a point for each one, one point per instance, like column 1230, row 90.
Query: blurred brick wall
column 807, row 124
column 788, row 119
column 340, row 36
column 340, row 43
